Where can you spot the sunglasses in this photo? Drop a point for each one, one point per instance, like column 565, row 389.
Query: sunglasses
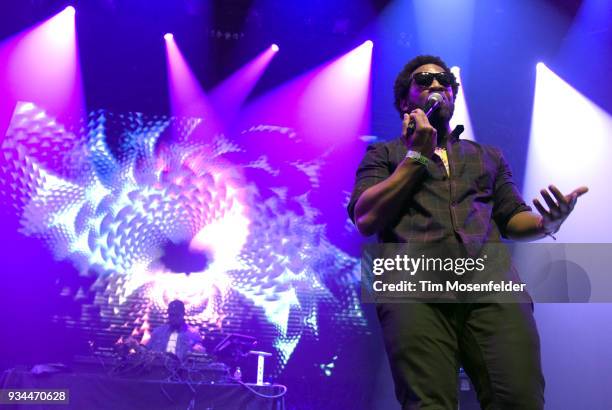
column 425, row 79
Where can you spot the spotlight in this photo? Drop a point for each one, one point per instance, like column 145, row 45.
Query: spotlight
column 70, row 10
column 540, row 65
column 168, row 36
column 368, row 43
column 274, row 47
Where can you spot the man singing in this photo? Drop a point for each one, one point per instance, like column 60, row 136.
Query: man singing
column 429, row 186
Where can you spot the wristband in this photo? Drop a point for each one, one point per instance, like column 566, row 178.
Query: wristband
column 550, row 233
column 417, row 156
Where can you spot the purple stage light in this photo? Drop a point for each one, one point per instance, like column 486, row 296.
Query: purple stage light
column 329, row 105
column 187, row 98
column 368, row 43
column 70, row 10
column 168, row 36
column 233, row 91
column 41, row 65
column 335, row 103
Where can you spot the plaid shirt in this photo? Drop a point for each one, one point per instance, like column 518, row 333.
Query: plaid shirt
column 471, row 206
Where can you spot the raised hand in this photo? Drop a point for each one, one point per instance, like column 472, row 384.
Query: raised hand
column 559, row 207
column 424, row 137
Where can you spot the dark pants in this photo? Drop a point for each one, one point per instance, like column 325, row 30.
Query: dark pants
column 497, row 345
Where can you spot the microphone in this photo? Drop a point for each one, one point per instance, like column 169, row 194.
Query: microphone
column 432, row 104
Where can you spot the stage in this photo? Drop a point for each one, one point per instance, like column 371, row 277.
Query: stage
column 177, row 174
column 88, row 390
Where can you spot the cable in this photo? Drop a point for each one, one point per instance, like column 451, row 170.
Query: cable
column 142, row 360
column 265, row 396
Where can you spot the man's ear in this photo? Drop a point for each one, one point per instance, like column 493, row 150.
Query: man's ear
column 404, row 105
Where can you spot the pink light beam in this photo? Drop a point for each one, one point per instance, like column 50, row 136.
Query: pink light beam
column 187, row 98
column 327, row 105
column 335, row 104
column 229, row 96
column 41, row 66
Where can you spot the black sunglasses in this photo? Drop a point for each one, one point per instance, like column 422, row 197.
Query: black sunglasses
column 425, row 79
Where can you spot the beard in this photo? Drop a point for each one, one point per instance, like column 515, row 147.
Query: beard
column 440, row 116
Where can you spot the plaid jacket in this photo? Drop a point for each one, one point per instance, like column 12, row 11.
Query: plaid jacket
column 472, row 206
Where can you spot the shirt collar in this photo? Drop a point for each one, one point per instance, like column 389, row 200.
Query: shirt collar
column 454, row 135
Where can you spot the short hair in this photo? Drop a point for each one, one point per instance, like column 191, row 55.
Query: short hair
column 402, row 82
column 176, row 305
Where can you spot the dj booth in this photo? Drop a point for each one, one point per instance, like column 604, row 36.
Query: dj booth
column 101, row 391
column 132, row 377
column 138, row 380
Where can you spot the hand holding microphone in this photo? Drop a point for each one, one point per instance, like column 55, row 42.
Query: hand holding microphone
column 418, row 133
